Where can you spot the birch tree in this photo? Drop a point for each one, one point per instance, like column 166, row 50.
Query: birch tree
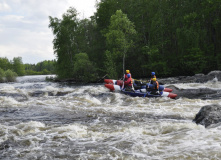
column 119, row 36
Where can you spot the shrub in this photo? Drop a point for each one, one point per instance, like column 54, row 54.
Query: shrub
column 10, row 76
column 45, row 72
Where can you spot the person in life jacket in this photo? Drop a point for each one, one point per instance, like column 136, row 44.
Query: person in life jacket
column 155, row 86
column 127, row 72
column 125, row 76
column 128, row 83
column 152, row 76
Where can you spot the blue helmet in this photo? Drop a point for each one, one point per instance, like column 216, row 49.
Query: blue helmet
column 152, row 73
column 128, row 75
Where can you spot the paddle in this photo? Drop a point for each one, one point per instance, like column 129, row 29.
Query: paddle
column 123, row 82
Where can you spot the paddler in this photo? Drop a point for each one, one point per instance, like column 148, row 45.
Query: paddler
column 127, row 72
column 152, row 76
column 155, row 86
column 128, row 83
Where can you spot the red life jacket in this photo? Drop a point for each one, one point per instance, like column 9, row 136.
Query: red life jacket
column 125, row 77
column 128, row 82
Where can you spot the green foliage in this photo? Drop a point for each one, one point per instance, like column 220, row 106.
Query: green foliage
column 41, row 68
column 171, row 38
column 31, row 72
column 2, row 75
column 156, row 62
column 65, row 42
column 111, row 68
column 18, row 66
column 84, row 70
column 10, row 76
column 5, row 63
column 119, row 35
column 73, row 38
column 193, row 62
column 45, row 72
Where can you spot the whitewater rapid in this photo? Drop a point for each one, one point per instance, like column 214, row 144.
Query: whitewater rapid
column 45, row 120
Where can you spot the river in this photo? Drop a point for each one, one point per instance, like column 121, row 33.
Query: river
column 46, row 120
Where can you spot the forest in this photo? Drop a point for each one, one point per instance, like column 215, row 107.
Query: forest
column 170, row 37
column 10, row 69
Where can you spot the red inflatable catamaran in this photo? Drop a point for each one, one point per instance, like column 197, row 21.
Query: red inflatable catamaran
column 140, row 89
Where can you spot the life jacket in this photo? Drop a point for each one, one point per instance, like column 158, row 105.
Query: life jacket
column 151, row 79
column 131, row 79
column 128, row 82
column 156, row 85
column 125, row 77
column 153, row 76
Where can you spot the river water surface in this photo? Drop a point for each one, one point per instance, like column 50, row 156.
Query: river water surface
column 45, row 120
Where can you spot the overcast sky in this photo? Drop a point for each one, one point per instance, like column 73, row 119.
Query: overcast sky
column 24, row 28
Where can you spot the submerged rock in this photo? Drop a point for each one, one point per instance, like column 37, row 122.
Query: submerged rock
column 198, row 78
column 198, row 93
column 7, row 144
column 17, row 96
column 208, row 115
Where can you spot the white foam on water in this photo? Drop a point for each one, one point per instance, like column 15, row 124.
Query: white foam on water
column 71, row 131
column 113, row 125
column 51, row 88
column 7, row 88
column 163, row 139
column 4, row 133
column 212, row 84
column 9, row 102
column 25, row 132
column 29, row 127
column 91, row 100
column 32, row 78
column 56, row 89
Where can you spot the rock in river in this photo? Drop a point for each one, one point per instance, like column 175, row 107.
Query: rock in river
column 208, row 115
column 198, row 78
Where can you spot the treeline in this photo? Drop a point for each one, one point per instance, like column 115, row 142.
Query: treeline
column 10, row 69
column 169, row 37
column 42, row 68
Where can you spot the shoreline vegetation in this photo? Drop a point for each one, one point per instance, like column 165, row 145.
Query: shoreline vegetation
column 9, row 70
column 7, row 76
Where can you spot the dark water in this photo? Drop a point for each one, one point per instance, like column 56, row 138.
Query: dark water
column 44, row 120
